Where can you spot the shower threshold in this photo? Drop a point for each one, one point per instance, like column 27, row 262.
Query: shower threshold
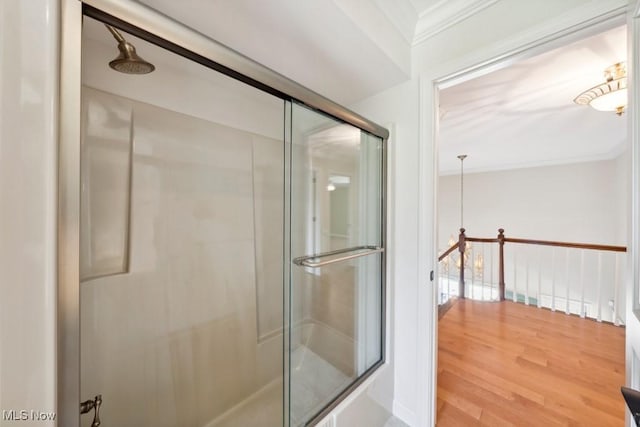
column 312, row 378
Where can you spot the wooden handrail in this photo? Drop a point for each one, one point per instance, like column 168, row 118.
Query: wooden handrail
column 481, row 240
column 447, row 252
column 501, row 240
column 566, row 244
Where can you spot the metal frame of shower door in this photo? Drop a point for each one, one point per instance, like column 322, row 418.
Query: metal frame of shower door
column 165, row 32
column 68, row 327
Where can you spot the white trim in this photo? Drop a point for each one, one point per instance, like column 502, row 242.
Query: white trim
column 593, row 18
column 444, row 15
column 633, row 244
column 427, row 250
column 584, row 21
column 435, row 101
column 610, row 155
column 633, row 62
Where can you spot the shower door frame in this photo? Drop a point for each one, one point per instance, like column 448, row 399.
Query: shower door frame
column 161, row 30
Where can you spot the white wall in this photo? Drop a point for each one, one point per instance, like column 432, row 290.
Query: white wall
column 574, row 203
column 396, row 388
column 28, row 135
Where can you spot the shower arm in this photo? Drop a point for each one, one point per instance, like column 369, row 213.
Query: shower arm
column 115, row 33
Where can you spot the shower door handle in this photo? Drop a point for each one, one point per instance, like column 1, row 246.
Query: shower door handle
column 88, row 405
column 350, row 253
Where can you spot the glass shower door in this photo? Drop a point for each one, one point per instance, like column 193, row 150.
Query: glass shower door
column 181, row 293
column 231, row 261
column 335, row 292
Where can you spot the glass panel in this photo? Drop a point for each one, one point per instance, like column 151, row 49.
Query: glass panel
column 191, row 334
column 336, row 184
column 335, row 309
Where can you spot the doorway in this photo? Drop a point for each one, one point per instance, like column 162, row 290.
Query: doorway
column 475, row 111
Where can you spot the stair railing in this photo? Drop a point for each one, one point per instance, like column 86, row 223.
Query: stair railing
column 459, row 258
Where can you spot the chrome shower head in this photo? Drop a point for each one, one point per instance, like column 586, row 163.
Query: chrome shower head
column 128, row 61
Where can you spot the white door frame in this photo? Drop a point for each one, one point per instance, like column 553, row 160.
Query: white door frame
column 632, row 361
column 590, row 19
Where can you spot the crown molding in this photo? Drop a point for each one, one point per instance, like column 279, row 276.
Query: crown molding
column 617, row 151
column 445, row 14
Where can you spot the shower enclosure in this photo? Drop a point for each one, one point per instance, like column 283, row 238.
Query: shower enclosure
column 231, row 264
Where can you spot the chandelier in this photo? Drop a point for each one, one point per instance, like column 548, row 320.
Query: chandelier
column 610, row 95
column 454, row 259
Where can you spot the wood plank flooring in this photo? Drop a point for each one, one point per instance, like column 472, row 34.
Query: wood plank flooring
column 507, row 364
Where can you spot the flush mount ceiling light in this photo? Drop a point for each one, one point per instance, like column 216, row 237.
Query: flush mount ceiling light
column 610, row 95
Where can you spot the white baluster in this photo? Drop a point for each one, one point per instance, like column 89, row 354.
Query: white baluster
column 615, row 291
column 539, row 300
column 599, row 287
column 471, row 261
column 449, row 276
column 482, row 275
column 491, row 269
column 567, row 281
column 515, row 273
column 582, row 309
column 526, row 281
column 553, row 279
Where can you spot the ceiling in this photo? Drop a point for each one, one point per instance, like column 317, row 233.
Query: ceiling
column 348, row 50
column 358, row 48
column 293, row 37
column 524, row 115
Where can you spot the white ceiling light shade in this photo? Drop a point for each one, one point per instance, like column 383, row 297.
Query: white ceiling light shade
column 610, row 95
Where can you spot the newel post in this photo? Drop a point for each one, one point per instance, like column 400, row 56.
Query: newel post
column 462, row 243
column 501, row 266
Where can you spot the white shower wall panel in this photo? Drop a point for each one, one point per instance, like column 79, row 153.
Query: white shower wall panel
column 177, row 339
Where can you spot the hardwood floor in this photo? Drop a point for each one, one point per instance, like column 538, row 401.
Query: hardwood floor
column 507, row 364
